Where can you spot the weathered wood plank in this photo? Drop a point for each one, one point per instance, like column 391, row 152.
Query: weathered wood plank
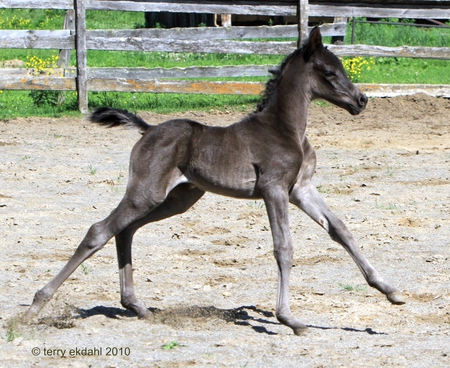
column 303, row 18
column 383, row 51
column 65, row 39
column 154, row 73
column 22, row 39
column 216, row 32
column 208, row 46
column 423, row 3
column 64, row 55
column 80, row 40
column 247, row 47
column 189, row 72
column 69, row 24
column 193, row 7
column 418, row 9
column 201, row 33
column 155, row 86
column 4, row 72
column 294, row 2
column 329, row 10
column 394, row 90
column 378, row 11
column 14, row 82
column 37, row 4
column 257, row 8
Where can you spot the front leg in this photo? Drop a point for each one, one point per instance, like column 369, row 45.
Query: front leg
column 277, row 203
column 308, row 199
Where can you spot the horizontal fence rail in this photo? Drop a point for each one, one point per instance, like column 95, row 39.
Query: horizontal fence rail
column 102, row 83
column 199, row 40
column 418, row 9
column 53, row 39
column 240, row 40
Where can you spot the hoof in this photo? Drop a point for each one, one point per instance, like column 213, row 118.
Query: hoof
column 149, row 316
column 135, row 306
column 26, row 317
column 396, row 298
column 142, row 314
column 290, row 321
column 301, row 330
column 31, row 313
column 140, row 311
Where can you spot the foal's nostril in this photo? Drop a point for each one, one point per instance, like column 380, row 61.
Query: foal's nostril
column 362, row 100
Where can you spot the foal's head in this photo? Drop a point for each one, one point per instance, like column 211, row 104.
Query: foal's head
column 328, row 79
column 313, row 71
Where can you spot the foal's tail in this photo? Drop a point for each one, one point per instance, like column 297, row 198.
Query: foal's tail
column 111, row 118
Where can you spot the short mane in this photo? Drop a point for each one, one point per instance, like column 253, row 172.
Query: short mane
column 272, row 83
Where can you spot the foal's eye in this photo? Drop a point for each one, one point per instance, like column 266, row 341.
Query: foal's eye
column 328, row 73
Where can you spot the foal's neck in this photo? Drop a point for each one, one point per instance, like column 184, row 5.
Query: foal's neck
column 289, row 111
column 292, row 99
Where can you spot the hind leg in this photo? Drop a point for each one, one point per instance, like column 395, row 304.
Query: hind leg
column 142, row 197
column 179, row 200
column 97, row 236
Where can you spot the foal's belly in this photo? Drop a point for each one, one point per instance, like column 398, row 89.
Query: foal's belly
column 220, row 161
column 239, row 183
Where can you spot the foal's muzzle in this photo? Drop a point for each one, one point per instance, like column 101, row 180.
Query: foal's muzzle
column 362, row 101
column 359, row 105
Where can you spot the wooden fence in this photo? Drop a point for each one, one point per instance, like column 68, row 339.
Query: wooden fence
column 76, row 37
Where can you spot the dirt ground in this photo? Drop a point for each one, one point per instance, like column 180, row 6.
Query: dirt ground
column 209, row 275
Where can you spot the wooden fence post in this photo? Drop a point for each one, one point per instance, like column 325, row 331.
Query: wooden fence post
column 302, row 12
column 339, row 40
column 64, row 55
column 80, row 49
column 69, row 23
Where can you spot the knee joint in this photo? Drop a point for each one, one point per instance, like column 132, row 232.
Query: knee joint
column 96, row 238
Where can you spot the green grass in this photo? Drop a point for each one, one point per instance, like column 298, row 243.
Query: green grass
column 348, row 287
column 11, row 330
column 385, row 207
column 408, row 71
column 85, row 269
column 92, row 169
column 170, row 60
column 20, row 103
column 391, row 35
column 99, row 19
column 403, row 70
column 170, row 345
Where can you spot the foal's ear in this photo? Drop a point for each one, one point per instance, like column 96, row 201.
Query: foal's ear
column 313, row 43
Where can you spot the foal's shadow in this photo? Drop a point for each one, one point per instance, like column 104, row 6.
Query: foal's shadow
column 250, row 316
column 100, row 310
column 367, row 330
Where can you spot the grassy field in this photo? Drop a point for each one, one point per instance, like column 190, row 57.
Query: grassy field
column 373, row 70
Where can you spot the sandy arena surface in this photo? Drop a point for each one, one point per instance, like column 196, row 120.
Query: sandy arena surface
column 209, row 275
